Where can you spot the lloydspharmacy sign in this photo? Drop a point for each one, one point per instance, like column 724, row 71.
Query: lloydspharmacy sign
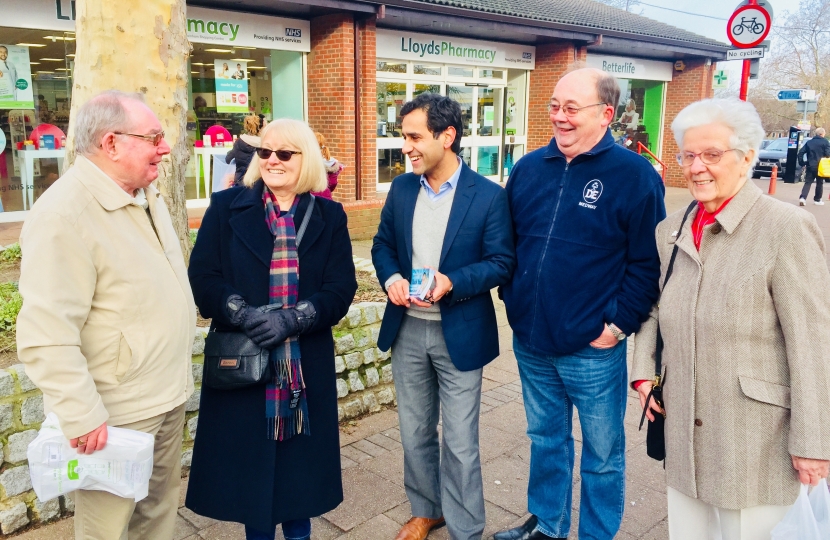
column 402, row 45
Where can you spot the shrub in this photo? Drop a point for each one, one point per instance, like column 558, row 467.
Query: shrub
column 193, row 234
column 11, row 253
column 10, row 303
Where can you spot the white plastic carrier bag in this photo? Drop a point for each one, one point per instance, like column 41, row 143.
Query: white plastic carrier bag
column 122, row 468
column 820, row 501
column 799, row 523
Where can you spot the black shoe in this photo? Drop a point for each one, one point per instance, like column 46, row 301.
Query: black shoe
column 527, row 531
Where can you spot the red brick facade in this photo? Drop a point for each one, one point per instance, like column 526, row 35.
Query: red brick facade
column 692, row 84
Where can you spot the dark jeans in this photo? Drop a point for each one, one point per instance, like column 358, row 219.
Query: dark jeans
column 811, row 174
column 297, row 529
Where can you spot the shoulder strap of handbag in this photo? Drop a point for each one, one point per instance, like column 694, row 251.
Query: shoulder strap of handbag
column 658, row 355
column 304, row 224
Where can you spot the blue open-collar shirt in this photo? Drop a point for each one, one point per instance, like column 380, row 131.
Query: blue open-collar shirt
column 445, row 187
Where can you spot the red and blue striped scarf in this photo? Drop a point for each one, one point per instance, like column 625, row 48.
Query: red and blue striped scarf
column 285, row 398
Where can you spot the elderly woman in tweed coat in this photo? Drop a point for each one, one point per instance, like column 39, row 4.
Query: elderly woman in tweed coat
column 745, row 319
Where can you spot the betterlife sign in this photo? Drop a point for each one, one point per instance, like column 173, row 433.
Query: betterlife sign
column 402, row 45
column 213, row 26
column 632, row 68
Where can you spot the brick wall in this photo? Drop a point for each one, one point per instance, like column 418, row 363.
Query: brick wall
column 552, row 60
column 690, row 85
column 331, row 92
column 364, row 217
column 368, row 116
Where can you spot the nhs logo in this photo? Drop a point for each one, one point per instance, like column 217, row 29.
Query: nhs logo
column 293, row 32
column 527, row 56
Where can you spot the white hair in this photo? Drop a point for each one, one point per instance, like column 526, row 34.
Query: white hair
column 820, row 132
column 103, row 113
column 739, row 116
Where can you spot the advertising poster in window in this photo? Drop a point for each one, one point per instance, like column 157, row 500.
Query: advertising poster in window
column 15, row 78
column 231, row 86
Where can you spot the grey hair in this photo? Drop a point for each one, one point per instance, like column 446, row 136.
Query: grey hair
column 103, row 113
column 608, row 89
column 820, row 132
column 739, row 116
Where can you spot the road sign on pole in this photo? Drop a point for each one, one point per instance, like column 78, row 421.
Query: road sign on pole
column 796, row 95
column 748, row 27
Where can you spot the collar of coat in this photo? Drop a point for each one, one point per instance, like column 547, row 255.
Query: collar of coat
column 108, row 194
column 731, row 216
column 607, row 142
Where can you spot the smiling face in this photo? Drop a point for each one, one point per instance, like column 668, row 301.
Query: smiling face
column 138, row 159
column 281, row 177
column 578, row 134
column 4, row 53
column 426, row 153
column 713, row 184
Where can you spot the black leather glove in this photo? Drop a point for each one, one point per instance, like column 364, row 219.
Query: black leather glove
column 237, row 310
column 270, row 328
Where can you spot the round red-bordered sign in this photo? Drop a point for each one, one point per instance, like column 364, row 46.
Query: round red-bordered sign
column 748, row 31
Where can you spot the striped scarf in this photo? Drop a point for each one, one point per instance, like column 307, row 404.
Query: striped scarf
column 286, row 408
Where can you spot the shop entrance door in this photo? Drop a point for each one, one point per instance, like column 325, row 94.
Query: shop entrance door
column 482, row 114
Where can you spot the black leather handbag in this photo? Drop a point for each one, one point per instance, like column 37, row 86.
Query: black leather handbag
column 656, row 434
column 232, row 360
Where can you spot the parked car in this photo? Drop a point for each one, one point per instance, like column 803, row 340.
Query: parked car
column 774, row 154
column 765, row 143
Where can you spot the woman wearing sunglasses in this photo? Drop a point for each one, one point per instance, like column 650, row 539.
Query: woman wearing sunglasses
column 270, row 454
column 744, row 321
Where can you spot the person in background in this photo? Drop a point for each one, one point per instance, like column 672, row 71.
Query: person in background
column 108, row 320
column 244, row 147
column 745, row 332
column 630, row 118
column 333, row 167
column 813, row 150
column 260, row 457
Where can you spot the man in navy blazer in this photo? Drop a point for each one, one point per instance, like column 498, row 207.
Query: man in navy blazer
column 446, row 217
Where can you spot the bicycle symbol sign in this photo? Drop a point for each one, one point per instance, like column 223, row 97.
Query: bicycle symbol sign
column 748, row 26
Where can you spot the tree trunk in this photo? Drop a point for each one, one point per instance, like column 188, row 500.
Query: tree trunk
column 139, row 47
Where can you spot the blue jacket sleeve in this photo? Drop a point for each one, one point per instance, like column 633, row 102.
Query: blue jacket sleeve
column 498, row 255
column 640, row 285
column 384, row 245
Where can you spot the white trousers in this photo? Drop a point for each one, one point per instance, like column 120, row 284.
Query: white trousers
column 692, row 519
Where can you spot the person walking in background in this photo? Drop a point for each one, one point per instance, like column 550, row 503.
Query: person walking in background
column 333, row 167
column 244, row 469
column 446, row 217
column 108, row 320
column 244, row 147
column 745, row 335
column 813, row 150
column 584, row 211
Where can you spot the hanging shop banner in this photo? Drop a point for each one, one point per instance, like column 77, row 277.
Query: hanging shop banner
column 231, row 87
column 403, row 45
column 15, row 78
column 228, row 28
column 632, row 68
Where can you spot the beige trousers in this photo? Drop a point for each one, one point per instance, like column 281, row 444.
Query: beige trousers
column 692, row 519
column 103, row 516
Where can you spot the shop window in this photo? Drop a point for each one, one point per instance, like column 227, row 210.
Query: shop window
column 464, row 96
column 491, row 74
column 455, row 71
column 425, row 69
column 391, row 67
column 391, row 163
column 488, row 160
column 390, row 98
column 638, row 114
column 425, row 89
column 489, row 111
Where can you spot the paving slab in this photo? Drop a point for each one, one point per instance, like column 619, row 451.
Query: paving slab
column 388, row 466
column 505, row 483
column 183, row 529
column 494, row 442
column 365, row 495
column 368, row 425
column 499, row 375
column 379, row 527
column 509, row 417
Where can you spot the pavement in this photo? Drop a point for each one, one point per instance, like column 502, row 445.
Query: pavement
column 375, row 504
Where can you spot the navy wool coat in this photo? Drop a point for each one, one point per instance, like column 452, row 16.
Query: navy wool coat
column 237, row 474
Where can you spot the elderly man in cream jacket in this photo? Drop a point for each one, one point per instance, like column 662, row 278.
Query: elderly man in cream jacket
column 108, row 318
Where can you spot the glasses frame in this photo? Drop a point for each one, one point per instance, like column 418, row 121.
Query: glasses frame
column 285, row 157
column 574, row 110
column 680, row 155
column 155, row 139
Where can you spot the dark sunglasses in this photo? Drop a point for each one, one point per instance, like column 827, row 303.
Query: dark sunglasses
column 282, row 155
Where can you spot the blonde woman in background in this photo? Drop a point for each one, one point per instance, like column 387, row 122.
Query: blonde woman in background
column 244, row 147
column 333, row 167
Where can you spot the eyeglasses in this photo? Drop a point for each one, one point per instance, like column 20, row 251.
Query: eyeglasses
column 154, row 138
column 708, row 157
column 569, row 110
column 282, row 155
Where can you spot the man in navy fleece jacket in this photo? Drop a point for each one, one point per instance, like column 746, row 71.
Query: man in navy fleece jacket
column 584, row 212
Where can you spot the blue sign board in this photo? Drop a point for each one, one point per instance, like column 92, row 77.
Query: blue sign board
column 789, row 95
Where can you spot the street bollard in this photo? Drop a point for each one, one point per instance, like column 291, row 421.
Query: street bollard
column 772, row 180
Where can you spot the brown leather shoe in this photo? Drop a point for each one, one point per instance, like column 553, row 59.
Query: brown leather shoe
column 418, row 528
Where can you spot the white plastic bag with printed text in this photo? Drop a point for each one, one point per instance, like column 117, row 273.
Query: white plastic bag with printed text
column 122, row 468
column 799, row 523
